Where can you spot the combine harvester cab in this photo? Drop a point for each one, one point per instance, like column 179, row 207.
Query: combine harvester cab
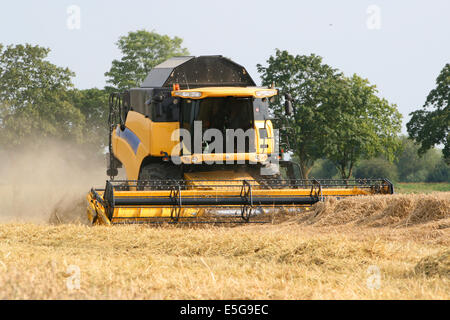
column 175, row 137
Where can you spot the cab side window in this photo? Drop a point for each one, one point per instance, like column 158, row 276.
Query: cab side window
column 166, row 111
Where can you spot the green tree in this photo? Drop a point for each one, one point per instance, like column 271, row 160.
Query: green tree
column 376, row 168
column 356, row 123
column 93, row 105
column 34, row 99
column 440, row 173
column 323, row 169
column 431, row 125
column 412, row 166
column 337, row 118
column 300, row 76
column 141, row 51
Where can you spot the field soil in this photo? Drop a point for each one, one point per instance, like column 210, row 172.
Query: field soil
column 377, row 247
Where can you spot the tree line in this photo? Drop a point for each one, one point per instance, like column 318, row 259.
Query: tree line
column 340, row 126
column 409, row 166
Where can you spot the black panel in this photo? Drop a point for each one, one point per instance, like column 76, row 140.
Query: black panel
column 162, row 109
column 165, row 110
column 138, row 98
column 209, row 71
column 203, row 71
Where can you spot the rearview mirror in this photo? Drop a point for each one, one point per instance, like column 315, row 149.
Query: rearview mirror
column 158, row 98
column 288, row 108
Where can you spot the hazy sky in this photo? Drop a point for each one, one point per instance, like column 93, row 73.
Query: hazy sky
column 400, row 46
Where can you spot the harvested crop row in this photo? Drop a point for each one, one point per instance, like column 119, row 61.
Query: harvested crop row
column 381, row 211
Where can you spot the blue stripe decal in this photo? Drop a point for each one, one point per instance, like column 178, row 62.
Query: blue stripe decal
column 130, row 137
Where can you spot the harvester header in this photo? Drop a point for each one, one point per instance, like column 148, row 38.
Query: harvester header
column 217, row 201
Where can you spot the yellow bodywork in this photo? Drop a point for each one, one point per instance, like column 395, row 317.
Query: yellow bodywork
column 156, row 139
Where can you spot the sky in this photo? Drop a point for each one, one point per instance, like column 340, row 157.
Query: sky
column 400, row 46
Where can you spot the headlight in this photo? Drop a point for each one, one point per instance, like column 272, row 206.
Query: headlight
column 188, row 94
column 265, row 93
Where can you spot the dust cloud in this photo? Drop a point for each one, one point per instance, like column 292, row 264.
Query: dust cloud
column 48, row 182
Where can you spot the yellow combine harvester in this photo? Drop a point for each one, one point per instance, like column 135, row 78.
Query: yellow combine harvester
column 197, row 144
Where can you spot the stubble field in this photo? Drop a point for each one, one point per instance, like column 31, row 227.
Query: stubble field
column 380, row 247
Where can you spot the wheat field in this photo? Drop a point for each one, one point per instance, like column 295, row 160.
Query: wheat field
column 380, row 247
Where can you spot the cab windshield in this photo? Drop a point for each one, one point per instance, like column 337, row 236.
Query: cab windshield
column 217, row 113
